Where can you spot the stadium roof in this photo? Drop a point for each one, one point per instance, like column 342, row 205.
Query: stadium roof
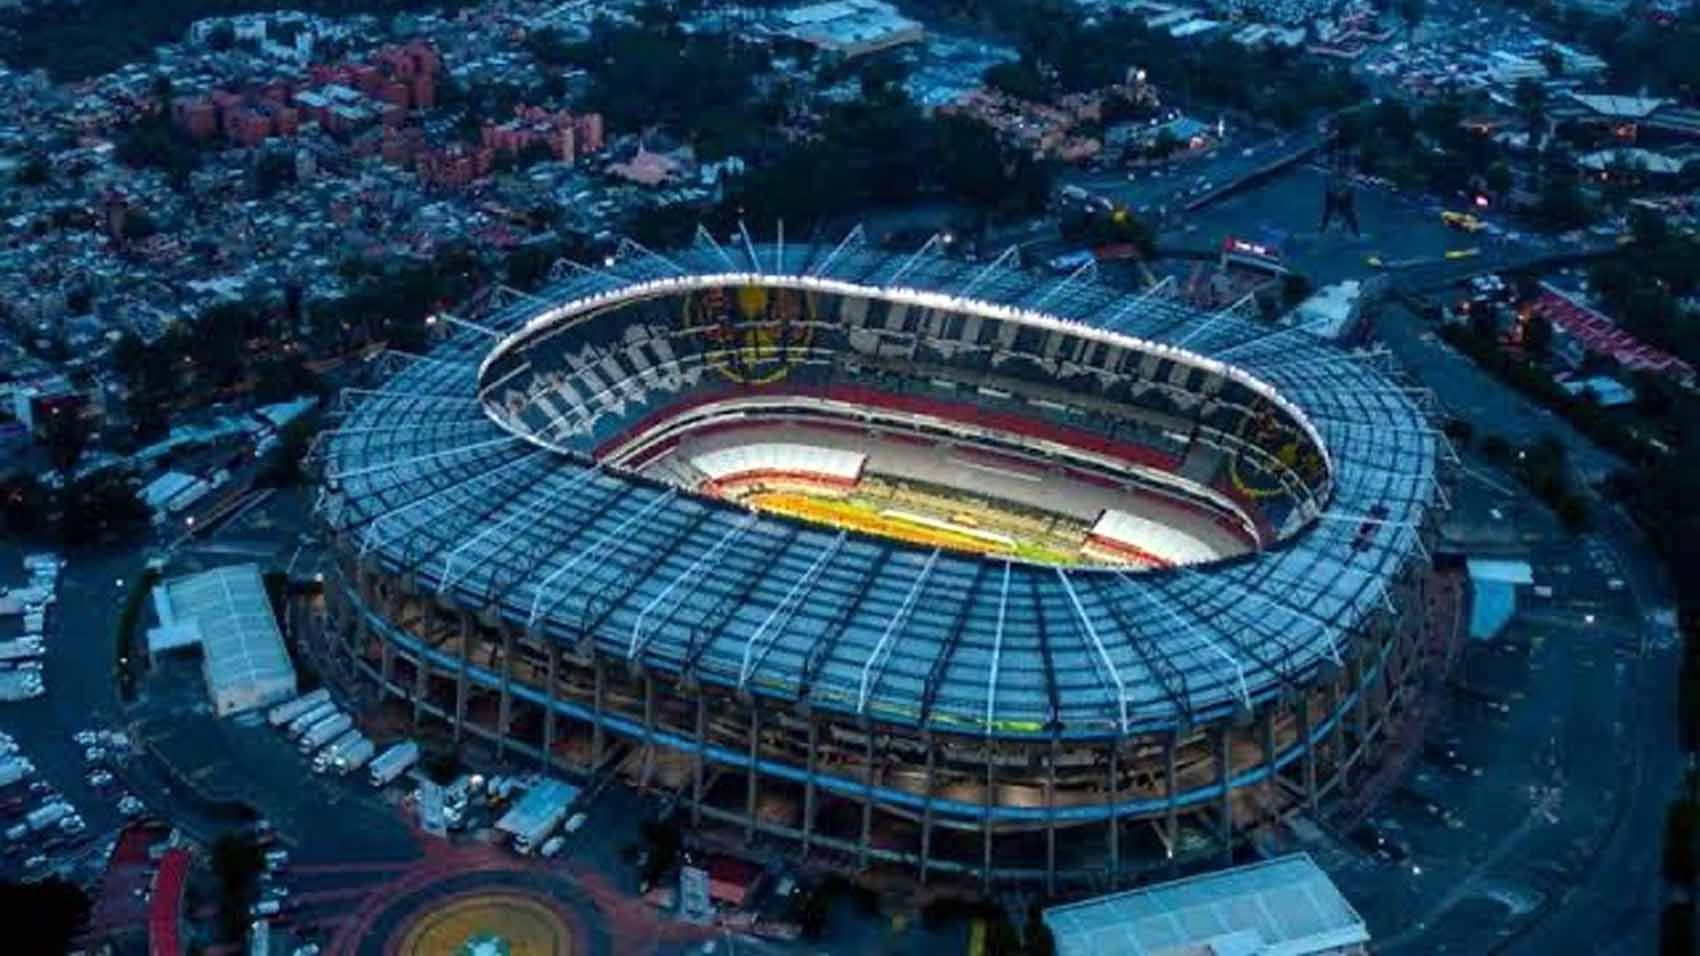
column 420, row 480
column 1281, row 907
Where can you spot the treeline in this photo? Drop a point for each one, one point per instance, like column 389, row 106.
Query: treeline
column 1657, row 55
column 1642, row 290
column 1066, row 53
column 1432, row 150
column 655, row 75
column 76, row 41
column 878, row 150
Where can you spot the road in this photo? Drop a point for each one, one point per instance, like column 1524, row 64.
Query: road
column 1158, row 190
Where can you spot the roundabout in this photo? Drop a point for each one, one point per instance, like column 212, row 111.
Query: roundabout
column 488, row 924
column 449, row 909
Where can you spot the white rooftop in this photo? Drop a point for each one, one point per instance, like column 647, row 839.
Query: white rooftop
column 1501, row 571
column 1281, row 907
column 240, row 641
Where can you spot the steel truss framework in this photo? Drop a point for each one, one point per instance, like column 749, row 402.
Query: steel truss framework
column 986, row 696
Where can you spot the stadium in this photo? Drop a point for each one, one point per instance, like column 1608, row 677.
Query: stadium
column 898, row 559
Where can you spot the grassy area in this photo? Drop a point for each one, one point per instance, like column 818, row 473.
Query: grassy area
column 876, row 518
column 124, row 639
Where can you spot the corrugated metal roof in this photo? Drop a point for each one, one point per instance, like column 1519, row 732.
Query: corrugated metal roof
column 1281, row 907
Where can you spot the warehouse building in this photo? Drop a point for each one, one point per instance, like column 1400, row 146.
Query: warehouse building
column 225, row 615
column 1281, row 907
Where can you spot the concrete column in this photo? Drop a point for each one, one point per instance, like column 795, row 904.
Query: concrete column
column 1051, row 820
column 549, row 715
column 809, row 786
column 867, row 799
column 1112, row 790
column 697, row 761
column 386, row 670
column 927, row 811
column 596, row 735
column 1360, row 709
column 1337, row 706
column 1271, row 787
column 1171, row 813
column 986, row 821
column 504, row 710
column 1226, row 808
column 752, row 780
column 460, row 675
column 1309, row 754
column 421, row 684
column 648, row 731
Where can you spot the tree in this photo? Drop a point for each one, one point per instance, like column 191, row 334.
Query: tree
column 1537, row 335
column 1411, row 12
column 273, row 170
column 47, row 915
column 1561, row 204
column 1531, row 98
column 1676, row 929
column 65, row 433
column 100, row 507
column 34, row 172
column 1036, row 935
column 1681, row 860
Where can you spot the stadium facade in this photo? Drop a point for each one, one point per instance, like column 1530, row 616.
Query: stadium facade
column 525, row 555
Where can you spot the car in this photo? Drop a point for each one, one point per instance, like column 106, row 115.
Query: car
column 33, row 862
column 99, row 778
column 552, row 847
column 276, row 891
column 85, row 738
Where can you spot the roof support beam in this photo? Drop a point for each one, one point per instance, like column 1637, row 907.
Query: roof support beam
column 703, row 633
column 853, row 237
column 1108, row 674
column 692, row 573
column 1170, row 679
column 875, row 667
column 1215, row 317
column 915, row 257
column 755, row 649
column 985, row 272
column 543, row 502
column 749, row 247
column 1240, row 688
column 997, row 655
column 537, row 608
column 430, row 456
column 627, row 242
column 1133, row 302
column 703, row 237
column 1055, row 289
column 941, row 663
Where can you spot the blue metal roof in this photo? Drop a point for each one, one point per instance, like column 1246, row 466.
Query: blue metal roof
column 421, row 479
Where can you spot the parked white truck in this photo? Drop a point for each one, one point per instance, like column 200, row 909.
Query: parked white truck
column 318, row 712
column 534, row 817
column 353, row 757
column 290, row 709
column 325, row 731
column 326, row 757
column 392, row 763
column 47, row 815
